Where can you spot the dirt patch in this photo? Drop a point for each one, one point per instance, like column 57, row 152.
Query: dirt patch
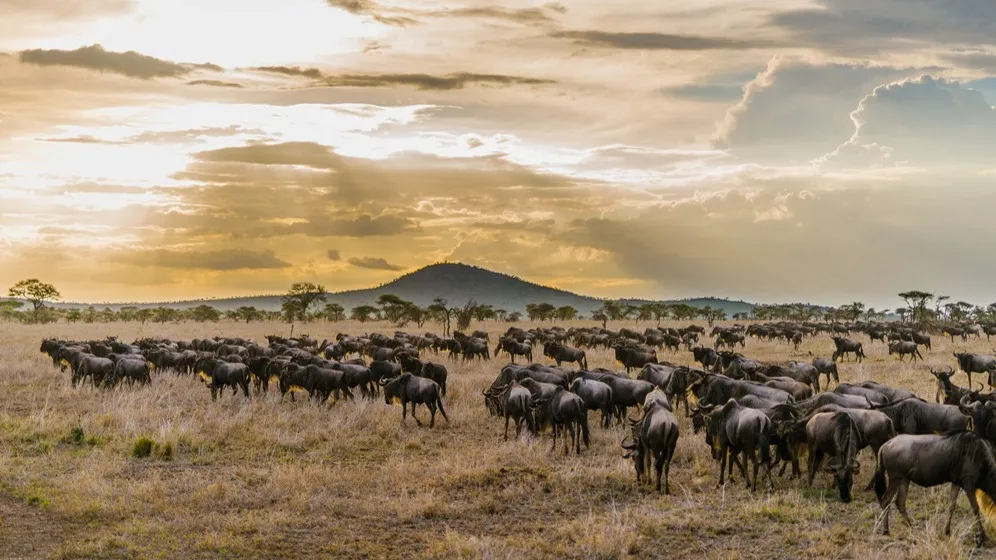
column 29, row 530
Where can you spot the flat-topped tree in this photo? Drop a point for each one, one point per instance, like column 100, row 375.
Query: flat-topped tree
column 35, row 292
column 917, row 301
column 299, row 299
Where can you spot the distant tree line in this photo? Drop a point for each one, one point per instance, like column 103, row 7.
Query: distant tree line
column 307, row 302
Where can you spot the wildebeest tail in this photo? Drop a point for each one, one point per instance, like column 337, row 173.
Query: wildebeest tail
column 584, row 360
column 880, row 482
column 836, row 376
column 439, row 403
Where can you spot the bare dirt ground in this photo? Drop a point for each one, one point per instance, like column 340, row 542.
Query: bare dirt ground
column 272, row 479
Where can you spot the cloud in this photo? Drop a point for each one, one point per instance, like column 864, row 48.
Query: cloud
column 453, row 81
column 796, row 110
column 334, row 255
column 403, row 17
column 374, row 263
column 857, row 26
column 360, row 226
column 160, row 136
column 660, row 41
column 923, row 121
column 373, row 10
column 230, row 259
column 94, row 57
column 705, row 92
column 753, row 243
column 215, row 83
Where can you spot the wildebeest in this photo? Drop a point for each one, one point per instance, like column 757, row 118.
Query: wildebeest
column 705, row 356
column 633, row 358
column 596, row 396
column 950, row 392
column 734, row 429
column 517, row 405
column 655, row 436
column 514, row 348
column 916, row 416
column 976, row 363
column 846, row 346
column 564, row 411
column 963, row 459
column 97, row 369
column 131, row 369
column 834, row 434
column 322, row 382
column 218, row 374
column 904, row 348
column 560, row 353
column 828, row 368
column 408, row 388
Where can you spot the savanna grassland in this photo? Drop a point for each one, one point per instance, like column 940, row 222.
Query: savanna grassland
column 272, row 479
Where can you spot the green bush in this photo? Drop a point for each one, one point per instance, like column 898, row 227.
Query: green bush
column 76, row 435
column 142, row 448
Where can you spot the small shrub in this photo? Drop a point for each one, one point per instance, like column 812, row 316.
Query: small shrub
column 76, row 435
column 142, row 448
column 164, row 451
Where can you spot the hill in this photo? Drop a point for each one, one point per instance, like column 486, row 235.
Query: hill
column 457, row 283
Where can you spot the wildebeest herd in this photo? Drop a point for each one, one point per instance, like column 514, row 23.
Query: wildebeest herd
column 757, row 418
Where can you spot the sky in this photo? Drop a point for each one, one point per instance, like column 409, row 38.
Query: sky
column 821, row 150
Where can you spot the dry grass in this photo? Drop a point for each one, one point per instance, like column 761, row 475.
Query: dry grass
column 271, row 479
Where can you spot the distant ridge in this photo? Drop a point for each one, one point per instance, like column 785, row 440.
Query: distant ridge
column 455, row 282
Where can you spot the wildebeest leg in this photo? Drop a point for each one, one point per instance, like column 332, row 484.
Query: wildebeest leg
column 904, row 487
column 750, row 454
column 555, row 429
column 432, row 413
column 815, row 460
column 953, row 498
column 659, row 467
column 980, row 536
column 214, row 393
column 722, row 465
column 575, row 439
column 417, row 421
column 506, row 426
column 404, row 411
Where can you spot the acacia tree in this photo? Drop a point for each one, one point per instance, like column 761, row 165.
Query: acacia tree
column 917, row 301
column 299, row 299
column 566, row 313
column 363, row 313
column 441, row 313
column 334, row 312
column 465, row 315
column 36, row 293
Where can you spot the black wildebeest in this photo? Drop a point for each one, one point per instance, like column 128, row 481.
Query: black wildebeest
column 976, row 363
column 846, row 346
column 408, row 388
column 560, row 354
column 564, row 411
column 904, row 348
column 321, row 382
column 734, row 429
column 655, row 437
column 834, row 434
column 963, row 459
